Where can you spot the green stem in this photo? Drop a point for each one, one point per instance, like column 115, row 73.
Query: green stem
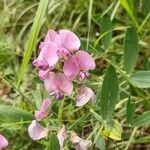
column 131, row 137
column 60, row 111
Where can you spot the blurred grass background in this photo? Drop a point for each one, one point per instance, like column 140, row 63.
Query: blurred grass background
column 89, row 19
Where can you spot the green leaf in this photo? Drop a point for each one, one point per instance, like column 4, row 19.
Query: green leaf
column 37, row 24
column 130, row 50
column 141, row 79
column 13, row 114
column 53, row 143
column 106, row 26
column 109, row 93
column 142, row 120
column 130, row 111
column 100, row 142
column 113, row 130
column 130, row 11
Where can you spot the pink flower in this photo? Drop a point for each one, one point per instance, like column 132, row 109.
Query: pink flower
column 48, row 56
column 58, row 85
column 56, row 45
column 36, row 131
column 78, row 64
column 3, row 142
column 62, row 135
column 44, row 110
column 79, row 143
column 84, row 95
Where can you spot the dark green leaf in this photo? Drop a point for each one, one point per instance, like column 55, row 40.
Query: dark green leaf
column 130, row 50
column 109, row 93
column 13, row 114
column 141, row 79
column 106, row 25
column 130, row 111
column 142, row 120
column 53, row 143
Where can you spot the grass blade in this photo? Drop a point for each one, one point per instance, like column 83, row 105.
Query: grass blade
column 38, row 21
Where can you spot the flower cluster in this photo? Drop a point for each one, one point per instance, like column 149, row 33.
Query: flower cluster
column 37, row 132
column 64, row 46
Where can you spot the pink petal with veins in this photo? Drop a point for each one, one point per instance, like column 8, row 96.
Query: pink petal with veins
column 36, row 131
column 85, row 61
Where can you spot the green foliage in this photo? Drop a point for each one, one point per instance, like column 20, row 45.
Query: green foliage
column 141, row 79
column 38, row 21
column 113, row 129
column 109, row 93
column 130, row 111
column 130, row 50
column 13, row 114
column 142, row 120
column 53, row 142
column 106, row 26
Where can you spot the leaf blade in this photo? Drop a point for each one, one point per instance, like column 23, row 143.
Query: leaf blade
column 38, row 21
column 109, row 93
column 130, row 50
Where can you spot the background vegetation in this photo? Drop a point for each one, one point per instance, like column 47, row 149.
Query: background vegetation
column 116, row 33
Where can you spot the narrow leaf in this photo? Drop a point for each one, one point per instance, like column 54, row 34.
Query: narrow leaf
column 106, row 26
column 130, row 12
column 109, row 93
column 142, row 120
column 13, row 114
column 130, row 108
column 38, row 21
column 130, row 50
column 53, row 143
column 141, row 79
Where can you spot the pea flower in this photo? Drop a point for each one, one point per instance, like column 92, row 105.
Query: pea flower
column 58, row 85
column 62, row 135
column 44, row 110
column 3, row 142
column 80, row 63
column 56, row 45
column 36, row 131
column 84, row 95
column 79, row 143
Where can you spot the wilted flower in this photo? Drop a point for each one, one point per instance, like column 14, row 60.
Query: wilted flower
column 44, row 110
column 62, row 135
column 3, row 142
column 84, row 95
column 36, row 131
column 80, row 63
column 58, row 84
column 79, row 143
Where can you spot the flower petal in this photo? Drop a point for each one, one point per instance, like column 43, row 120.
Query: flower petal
column 79, row 143
column 62, row 135
column 50, row 53
column 84, row 94
column 50, row 82
column 71, row 68
column 3, row 142
column 50, row 36
column 85, row 61
column 65, row 84
column 69, row 40
column 36, row 131
column 44, row 110
column 43, row 74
